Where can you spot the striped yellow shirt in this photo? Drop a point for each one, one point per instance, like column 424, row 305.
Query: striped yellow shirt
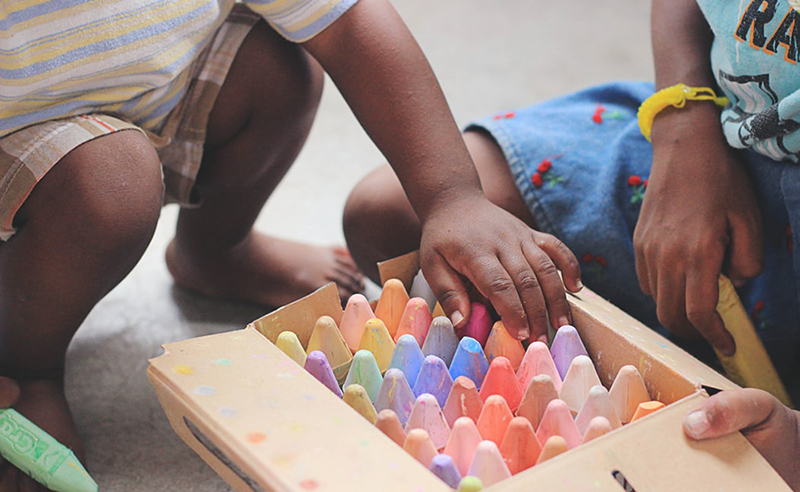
column 129, row 58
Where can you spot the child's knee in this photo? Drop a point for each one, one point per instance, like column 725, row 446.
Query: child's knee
column 109, row 190
column 378, row 213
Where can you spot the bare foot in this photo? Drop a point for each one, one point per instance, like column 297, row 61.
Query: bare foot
column 265, row 270
column 42, row 402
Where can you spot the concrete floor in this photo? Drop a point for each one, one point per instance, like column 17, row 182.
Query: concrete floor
column 517, row 53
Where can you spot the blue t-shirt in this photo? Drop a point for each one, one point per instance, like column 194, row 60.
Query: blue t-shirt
column 754, row 58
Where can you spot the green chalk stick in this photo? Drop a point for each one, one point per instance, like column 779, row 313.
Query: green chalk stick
column 38, row 454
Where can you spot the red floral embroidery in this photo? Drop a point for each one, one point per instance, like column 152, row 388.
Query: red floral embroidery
column 595, row 265
column 638, row 184
column 544, row 173
column 759, row 316
column 601, row 114
column 597, row 117
column 510, row 114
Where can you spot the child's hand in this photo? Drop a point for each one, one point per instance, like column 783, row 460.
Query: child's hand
column 513, row 266
column 698, row 212
column 772, row 428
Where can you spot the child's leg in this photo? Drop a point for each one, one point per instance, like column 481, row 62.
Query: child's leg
column 379, row 222
column 80, row 232
column 257, row 127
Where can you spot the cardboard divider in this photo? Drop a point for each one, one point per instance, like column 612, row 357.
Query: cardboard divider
column 263, row 423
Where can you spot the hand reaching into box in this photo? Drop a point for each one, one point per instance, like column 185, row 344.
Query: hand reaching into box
column 772, row 428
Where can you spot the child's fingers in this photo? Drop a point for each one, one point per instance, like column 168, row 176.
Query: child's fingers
column 702, row 295
column 551, row 287
column 449, row 289
column 528, row 271
column 564, row 259
column 670, row 300
column 730, row 411
column 494, row 281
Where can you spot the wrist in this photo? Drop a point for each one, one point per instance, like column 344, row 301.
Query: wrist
column 675, row 96
column 699, row 120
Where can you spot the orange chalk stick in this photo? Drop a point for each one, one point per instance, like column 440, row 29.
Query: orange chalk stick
column 494, row 419
column 646, row 408
column 627, row 391
column 540, row 392
column 416, row 320
column 419, row 445
column 520, row 447
column 463, row 401
column 391, row 304
column 388, row 423
column 327, row 338
column 501, row 380
column 554, row 446
column 501, row 344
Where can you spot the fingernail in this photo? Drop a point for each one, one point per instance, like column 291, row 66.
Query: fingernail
column 456, row 318
column 697, row 423
column 563, row 321
column 737, row 282
column 579, row 284
column 543, row 339
column 523, row 334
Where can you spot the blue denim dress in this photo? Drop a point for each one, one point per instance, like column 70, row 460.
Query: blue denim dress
column 582, row 165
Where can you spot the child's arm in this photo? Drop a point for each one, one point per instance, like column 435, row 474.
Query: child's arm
column 772, row 428
column 699, row 210
column 386, row 80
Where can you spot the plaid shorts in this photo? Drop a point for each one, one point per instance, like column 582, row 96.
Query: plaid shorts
column 28, row 154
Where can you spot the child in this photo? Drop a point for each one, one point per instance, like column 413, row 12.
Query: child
column 722, row 191
column 97, row 95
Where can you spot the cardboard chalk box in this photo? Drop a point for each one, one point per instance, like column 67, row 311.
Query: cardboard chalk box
column 264, row 424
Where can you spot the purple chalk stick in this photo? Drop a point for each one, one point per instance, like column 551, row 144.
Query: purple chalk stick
column 441, row 340
column 395, row 394
column 434, row 378
column 444, row 467
column 319, row 367
column 566, row 346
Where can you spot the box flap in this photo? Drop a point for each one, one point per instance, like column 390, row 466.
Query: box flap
column 301, row 315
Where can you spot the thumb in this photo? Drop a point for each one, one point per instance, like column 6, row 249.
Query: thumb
column 9, row 392
column 448, row 287
column 730, row 411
